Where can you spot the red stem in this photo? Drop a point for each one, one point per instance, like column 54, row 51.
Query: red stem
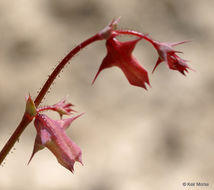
column 134, row 33
column 26, row 120
column 61, row 65
column 14, row 137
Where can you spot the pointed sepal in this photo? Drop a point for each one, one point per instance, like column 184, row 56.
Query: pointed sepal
column 65, row 123
column 37, row 147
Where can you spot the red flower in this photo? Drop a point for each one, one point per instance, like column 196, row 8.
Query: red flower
column 51, row 134
column 120, row 54
column 167, row 54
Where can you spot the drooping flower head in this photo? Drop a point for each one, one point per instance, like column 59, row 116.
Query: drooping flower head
column 119, row 54
column 51, row 134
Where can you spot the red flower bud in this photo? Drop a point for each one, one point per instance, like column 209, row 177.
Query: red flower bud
column 167, row 54
column 30, row 109
column 62, row 108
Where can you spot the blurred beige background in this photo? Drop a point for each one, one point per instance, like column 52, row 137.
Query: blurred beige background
column 131, row 139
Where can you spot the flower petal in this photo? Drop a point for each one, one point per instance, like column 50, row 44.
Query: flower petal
column 37, row 147
column 65, row 123
column 108, row 62
column 135, row 73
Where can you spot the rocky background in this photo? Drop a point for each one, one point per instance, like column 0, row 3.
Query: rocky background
column 131, row 139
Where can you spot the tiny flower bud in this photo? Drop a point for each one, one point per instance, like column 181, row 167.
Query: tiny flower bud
column 168, row 54
column 30, row 109
column 62, row 108
column 107, row 32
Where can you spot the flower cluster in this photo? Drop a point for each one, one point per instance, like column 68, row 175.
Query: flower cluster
column 51, row 133
column 119, row 54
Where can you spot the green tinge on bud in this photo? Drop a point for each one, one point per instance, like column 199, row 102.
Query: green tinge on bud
column 30, row 107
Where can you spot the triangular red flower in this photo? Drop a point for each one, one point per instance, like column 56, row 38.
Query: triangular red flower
column 120, row 54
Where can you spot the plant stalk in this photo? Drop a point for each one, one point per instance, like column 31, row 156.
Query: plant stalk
column 25, row 119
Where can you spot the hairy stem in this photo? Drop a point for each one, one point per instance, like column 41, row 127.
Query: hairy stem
column 14, row 137
column 61, row 65
column 26, row 120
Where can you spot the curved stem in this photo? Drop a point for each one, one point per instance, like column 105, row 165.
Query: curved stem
column 134, row 33
column 26, row 120
column 61, row 65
